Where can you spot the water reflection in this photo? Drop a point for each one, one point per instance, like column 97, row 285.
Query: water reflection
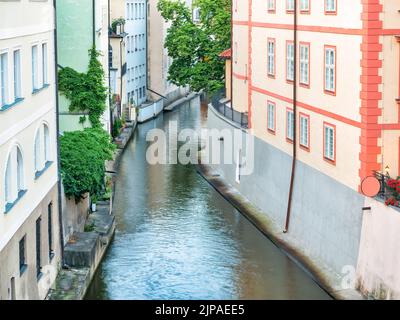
column 177, row 238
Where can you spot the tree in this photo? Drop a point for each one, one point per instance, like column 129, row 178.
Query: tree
column 195, row 47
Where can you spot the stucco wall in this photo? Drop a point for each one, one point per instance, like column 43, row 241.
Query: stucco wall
column 379, row 261
column 326, row 217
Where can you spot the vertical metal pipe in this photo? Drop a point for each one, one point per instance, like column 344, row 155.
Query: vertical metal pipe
column 294, row 157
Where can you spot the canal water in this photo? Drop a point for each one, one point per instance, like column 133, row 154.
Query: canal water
column 177, row 238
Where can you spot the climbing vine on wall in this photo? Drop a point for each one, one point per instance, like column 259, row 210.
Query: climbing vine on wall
column 85, row 91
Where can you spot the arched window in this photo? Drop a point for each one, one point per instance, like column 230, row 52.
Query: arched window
column 37, row 153
column 46, row 135
column 14, row 177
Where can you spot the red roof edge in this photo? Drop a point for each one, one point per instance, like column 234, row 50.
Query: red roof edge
column 226, row 54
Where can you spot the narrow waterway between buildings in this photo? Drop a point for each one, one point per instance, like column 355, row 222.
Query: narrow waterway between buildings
column 177, row 238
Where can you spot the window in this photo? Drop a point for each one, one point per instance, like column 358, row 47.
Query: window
column 22, row 255
column 17, row 74
column 38, row 247
column 271, row 117
column 329, row 142
column 289, row 125
column 305, row 64
column 271, row 57
column 50, row 230
column 290, row 61
column 3, row 79
column 37, row 153
column 330, row 6
column 304, row 5
column 196, row 14
column 46, row 139
column 35, row 76
column 330, row 68
column 44, row 64
column 304, row 131
column 136, row 11
column 290, row 5
column 271, row 5
column 14, row 178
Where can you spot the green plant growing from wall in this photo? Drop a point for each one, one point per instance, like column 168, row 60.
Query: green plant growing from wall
column 195, row 47
column 116, row 22
column 83, row 155
column 85, row 91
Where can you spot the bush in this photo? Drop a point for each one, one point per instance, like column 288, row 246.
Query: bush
column 117, row 127
column 83, row 155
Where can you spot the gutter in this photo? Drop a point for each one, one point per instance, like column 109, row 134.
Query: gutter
column 59, row 186
column 294, row 157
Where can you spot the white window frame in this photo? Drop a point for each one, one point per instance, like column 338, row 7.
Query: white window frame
column 46, row 143
column 290, row 5
column 271, row 116
column 38, row 151
column 304, row 131
column 305, row 64
column 14, row 176
column 290, row 61
column 330, row 69
column 35, row 68
column 305, row 5
column 17, row 74
column 271, row 57
column 289, row 124
column 4, row 79
column 45, row 64
column 271, row 5
column 330, row 6
column 329, row 142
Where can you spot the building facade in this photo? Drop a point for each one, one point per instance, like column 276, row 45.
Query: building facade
column 136, row 51
column 29, row 219
column 339, row 62
column 81, row 25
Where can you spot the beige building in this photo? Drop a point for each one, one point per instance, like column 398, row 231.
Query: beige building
column 29, row 230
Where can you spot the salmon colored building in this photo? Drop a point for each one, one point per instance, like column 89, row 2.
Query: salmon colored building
column 320, row 83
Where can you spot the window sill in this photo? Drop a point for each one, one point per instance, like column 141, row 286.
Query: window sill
column 9, row 106
column 38, row 174
column 36, row 91
column 9, row 206
column 22, row 269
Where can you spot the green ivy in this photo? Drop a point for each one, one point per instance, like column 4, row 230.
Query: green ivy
column 116, row 22
column 85, row 91
column 83, row 155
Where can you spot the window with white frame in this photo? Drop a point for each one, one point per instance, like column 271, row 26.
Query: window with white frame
column 290, row 125
column 271, row 5
column 44, row 64
column 14, row 177
column 330, row 5
column 35, row 74
column 304, row 5
column 330, row 62
column 17, row 75
column 3, row 79
column 46, row 143
column 196, row 14
column 136, row 11
column 290, row 61
column 329, row 141
column 304, row 64
column 304, row 131
column 271, row 57
column 271, row 116
column 38, row 153
column 290, row 5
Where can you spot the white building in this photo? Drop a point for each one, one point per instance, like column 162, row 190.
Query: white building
column 136, row 51
column 29, row 229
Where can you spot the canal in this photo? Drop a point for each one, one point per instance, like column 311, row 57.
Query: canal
column 177, row 238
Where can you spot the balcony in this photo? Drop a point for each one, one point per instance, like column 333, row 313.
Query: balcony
column 224, row 107
column 390, row 189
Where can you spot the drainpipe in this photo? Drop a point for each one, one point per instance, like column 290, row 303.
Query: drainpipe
column 232, row 55
column 94, row 23
column 59, row 186
column 109, row 67
column 120, row 70
column 293, row 173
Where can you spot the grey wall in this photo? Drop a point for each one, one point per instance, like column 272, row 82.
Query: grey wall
column 326, row 217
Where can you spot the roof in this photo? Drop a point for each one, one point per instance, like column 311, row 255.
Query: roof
column 227, row 54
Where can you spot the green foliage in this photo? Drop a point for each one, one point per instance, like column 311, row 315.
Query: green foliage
column 85, row 91
column 117, row 127
column 195, row 48
column 83, row 154
column 116, row 22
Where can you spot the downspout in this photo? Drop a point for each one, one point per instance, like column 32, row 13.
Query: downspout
column 109, row 68
column 120, row 70
column 294, row 157
column 94, row 23
column 59, row 186
column 147, row 45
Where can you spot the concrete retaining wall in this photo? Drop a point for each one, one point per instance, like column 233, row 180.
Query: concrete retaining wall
column 326, row 217
column 378, row 266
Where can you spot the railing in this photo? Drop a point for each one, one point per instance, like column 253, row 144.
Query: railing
column 386, row 193
column 241, row 118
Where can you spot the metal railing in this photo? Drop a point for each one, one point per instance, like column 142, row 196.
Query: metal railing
column 240, row 118
column 386, row 193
